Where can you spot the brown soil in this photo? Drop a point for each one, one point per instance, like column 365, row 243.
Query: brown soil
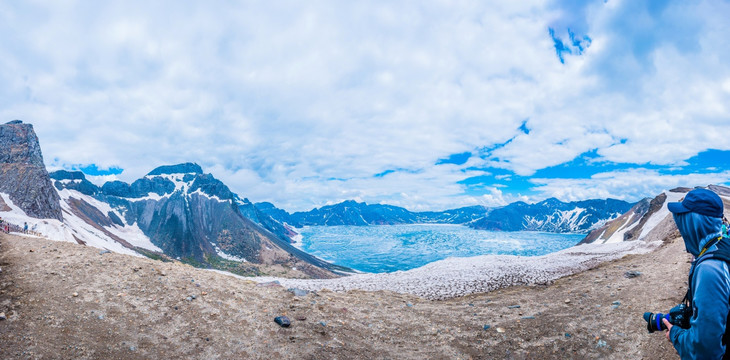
column 64, row 300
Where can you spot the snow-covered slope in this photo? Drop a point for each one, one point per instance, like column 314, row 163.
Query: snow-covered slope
column 78, row 227
column 648, row 220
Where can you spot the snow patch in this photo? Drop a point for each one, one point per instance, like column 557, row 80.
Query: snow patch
column 455, row 277
column 228, row 256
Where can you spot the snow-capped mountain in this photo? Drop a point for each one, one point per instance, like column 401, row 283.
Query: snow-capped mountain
column 175, row 211
column 550, row 215
column 649, row 220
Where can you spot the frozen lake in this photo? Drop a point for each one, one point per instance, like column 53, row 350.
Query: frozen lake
column 389, row 248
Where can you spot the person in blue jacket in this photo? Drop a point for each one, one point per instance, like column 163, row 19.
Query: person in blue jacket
column 699, row 219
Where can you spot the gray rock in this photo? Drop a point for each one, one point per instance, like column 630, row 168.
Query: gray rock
column 486, row 327
column 104, row 252
column 513, row 307
column 632, row 274
column 2, row 316
column 23, row 174
column 298, row 292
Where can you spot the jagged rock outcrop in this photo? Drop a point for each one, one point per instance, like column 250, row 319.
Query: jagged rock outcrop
column 23, row 175
column 73, row 180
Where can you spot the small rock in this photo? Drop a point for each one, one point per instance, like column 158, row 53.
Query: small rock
column 632, row 274
column 500, row 330
column 323, row 323
column 513, row 307
column 486, row 327
column 75, row 294
column 31, row 250
column 132, row 348
column 568, row 335
column 616, row 303
column 528, row 317
column 2, row 316
column 189, row 298
column 104, row 252
column 567, row 301
column 298, row 292
column 193, row 296
column 283, row 321
column 100, row 317
column 301, row 318
column 409, row 304
column 614, row 306
column 601, row 344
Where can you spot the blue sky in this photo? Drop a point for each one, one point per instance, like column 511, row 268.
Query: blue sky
column 427, row 105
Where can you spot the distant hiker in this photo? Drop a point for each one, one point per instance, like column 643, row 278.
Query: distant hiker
column 25, row 228
column 699, row 219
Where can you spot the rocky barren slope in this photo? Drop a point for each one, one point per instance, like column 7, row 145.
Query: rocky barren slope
column 63, row 300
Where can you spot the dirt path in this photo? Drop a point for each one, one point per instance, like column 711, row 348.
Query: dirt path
column 64, row 300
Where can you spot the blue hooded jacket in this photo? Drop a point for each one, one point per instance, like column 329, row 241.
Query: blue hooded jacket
column 710, row 291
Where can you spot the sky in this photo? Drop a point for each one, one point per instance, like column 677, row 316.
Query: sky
column 429, row 105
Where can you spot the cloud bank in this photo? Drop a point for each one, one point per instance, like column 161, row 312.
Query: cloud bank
column 308, row 103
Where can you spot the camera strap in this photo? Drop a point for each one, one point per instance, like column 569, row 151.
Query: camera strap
column 720, row 254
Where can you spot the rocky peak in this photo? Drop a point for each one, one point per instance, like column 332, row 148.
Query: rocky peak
column 23, row 174
column 73, row 180
column 185, row 168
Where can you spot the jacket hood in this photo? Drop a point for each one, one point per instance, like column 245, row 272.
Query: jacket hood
column 697, row 230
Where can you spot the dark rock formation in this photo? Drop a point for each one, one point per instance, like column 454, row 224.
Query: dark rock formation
column 117, row 188
column 185, row 168
column 74, row 180
column 196, row 216
column 23, row 174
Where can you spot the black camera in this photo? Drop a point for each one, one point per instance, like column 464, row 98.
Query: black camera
column 678, row 315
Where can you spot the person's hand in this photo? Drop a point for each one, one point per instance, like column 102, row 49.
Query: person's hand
column 669, row 327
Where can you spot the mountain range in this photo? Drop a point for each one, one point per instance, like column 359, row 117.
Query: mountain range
column 180, row 212
column 551, row 215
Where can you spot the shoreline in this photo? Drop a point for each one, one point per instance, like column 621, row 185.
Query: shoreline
column 457, row 277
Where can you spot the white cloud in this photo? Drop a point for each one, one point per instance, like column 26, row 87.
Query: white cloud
column 629, row 185
column 278, row 99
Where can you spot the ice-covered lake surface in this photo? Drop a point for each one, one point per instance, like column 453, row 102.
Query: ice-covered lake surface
column 388, row 248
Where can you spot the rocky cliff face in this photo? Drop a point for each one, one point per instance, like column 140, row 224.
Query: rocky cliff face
column 195, row 217
column 23, row 175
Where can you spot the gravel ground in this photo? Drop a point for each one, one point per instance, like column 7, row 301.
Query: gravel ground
column 62, row 300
